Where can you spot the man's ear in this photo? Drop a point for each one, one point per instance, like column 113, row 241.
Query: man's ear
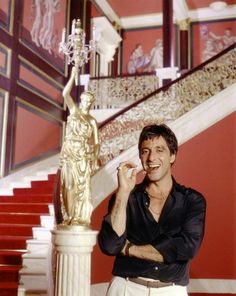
column 172, row 158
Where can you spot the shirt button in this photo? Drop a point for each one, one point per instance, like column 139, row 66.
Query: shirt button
column 156, row 268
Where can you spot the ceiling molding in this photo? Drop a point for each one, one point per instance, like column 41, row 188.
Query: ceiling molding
column 141, row 21
column 108, row 11
column 154, row 20
column 209, row 14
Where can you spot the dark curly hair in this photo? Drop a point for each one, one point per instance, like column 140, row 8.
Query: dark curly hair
column 155, row 130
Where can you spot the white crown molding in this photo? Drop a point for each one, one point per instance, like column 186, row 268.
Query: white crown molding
column 141, row 21
column 107, row 10
column 209, row 14
column 181, row 12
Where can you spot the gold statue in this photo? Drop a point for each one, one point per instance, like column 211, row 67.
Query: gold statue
column 78, row 158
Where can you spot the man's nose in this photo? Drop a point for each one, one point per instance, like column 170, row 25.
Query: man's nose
column 151, row 156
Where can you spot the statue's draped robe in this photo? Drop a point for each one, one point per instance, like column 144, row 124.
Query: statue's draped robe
column 75, row 170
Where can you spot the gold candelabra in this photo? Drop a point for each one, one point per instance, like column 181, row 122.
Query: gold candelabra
column 76, row 51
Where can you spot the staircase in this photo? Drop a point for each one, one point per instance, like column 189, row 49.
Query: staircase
column 24, row 230
column 24, row 217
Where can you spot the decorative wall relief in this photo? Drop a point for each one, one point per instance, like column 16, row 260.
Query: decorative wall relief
column 42, row 24
column 210, row 38
column 42, row 31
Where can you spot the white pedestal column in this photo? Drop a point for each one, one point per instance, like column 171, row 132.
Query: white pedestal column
column 72, row 254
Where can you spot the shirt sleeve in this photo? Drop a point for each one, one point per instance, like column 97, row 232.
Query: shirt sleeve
column 184, row 244
column 108, row 240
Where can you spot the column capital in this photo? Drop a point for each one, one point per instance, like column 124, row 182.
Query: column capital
column 183, row 24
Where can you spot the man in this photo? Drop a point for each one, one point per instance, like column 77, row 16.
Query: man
column 154, row 228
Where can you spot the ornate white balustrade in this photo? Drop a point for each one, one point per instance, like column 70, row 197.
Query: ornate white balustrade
column 119, row 92
column 168, row 105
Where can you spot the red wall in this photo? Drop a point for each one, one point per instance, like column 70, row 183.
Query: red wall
column 34, row 135
column 207, row 163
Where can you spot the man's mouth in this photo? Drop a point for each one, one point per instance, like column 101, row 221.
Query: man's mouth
column 152, row 167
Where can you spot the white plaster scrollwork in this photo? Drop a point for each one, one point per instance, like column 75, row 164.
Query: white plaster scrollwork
column 108, row 41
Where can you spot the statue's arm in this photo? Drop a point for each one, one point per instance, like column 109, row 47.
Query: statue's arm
column 68, row 87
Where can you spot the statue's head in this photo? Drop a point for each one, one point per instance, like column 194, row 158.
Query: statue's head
column 88, row 95
column 87, row 99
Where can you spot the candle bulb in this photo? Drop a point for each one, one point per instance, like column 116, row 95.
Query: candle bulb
column 63, row 38
column 93, row 35
column 73, row 27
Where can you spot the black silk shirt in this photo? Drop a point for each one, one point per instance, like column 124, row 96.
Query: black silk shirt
column 177, row 235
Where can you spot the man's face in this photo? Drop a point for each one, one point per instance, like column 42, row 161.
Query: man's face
column 156, row 158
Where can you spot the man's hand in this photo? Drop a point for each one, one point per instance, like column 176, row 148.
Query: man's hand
column 126, row 178
column 126, row 182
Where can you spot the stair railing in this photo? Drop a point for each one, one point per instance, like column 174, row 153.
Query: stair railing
column 122, row 91
column 168, row 103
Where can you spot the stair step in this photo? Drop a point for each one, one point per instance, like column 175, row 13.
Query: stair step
column 38, row 247
column 24, row 208
column 47, row 221
column 28, row 198
column 35, row 282
column 34, row 264
column 11, row 257
column 17, row 229
column 13, row 242
column 8, row 286
column 45, row 184
column 20, row 218
column 52, row 177
column 8, row 289
column 42, row 233
column 40, row 190
column 9, row 273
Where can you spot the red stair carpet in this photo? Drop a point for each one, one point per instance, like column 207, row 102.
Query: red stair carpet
column 18, row 214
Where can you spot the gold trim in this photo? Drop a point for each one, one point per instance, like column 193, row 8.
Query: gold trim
column 4, row 131
column 54, row 103
column 37, row 109
column 84, row 14
column 8, row 66
column 9, row 29
column 178, row 47
column 12, row 8
column 43, row 58
column 43, row 74
column 22, row 59
column 189, row 46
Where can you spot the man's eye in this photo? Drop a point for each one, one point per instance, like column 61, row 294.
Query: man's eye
column 144, row 151
column 160, row 150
